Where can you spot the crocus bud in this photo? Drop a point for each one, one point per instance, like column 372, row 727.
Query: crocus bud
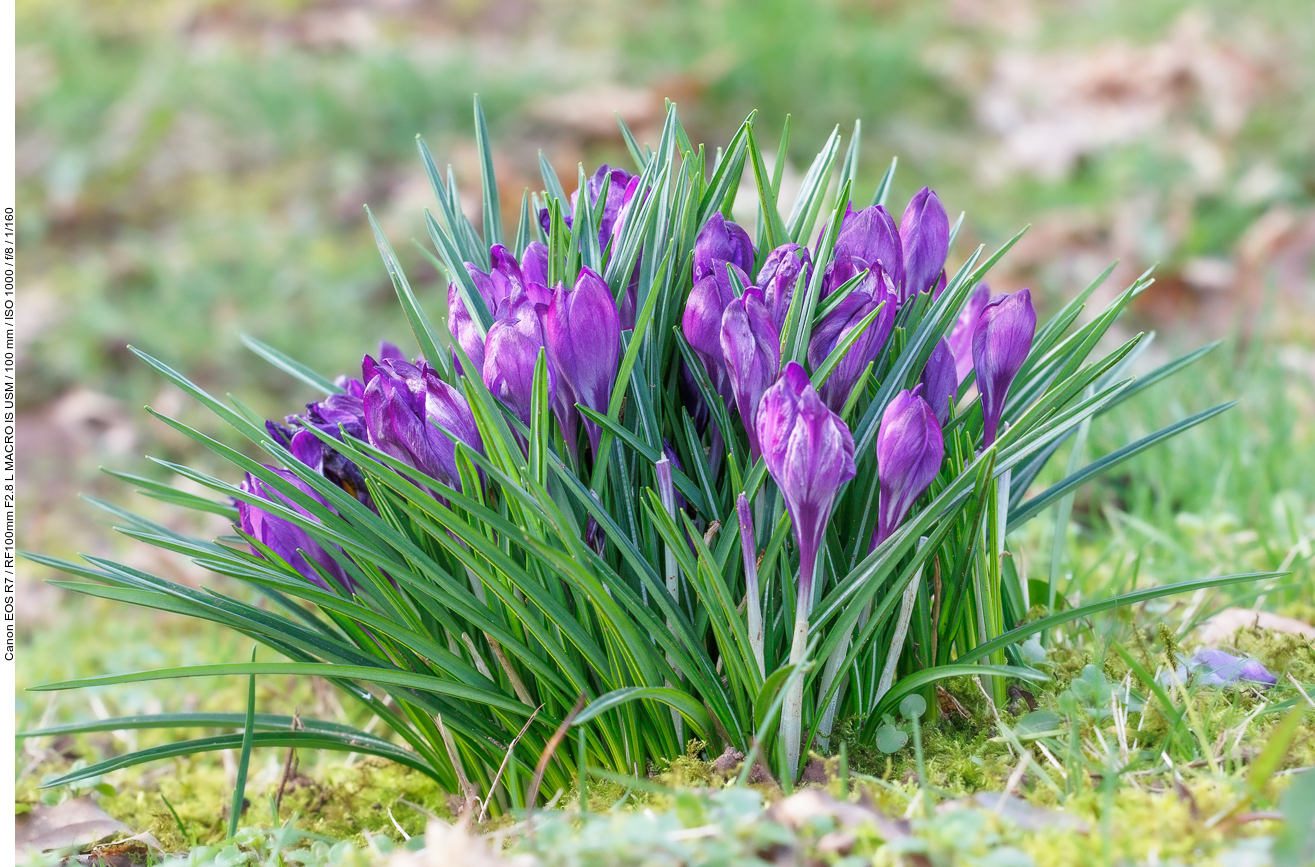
column 909, row 452
column 867, row 238
column 778, row 277
column 1001, row 341
column 462, row 325
column 498, row 287
column 510, row 354
column 876, row 290
column 809, row 452
column 616, row 198
column 721, row 241
column 924, row 234
column 702, row 322
column 534, row 264
column 583, row 335
column 291, row 543
column 408, row 409
column 751, row 348
column 940, row 384
column 961, row 335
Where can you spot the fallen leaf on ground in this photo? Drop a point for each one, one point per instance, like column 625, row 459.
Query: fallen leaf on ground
column 79, row 822
column 1222, row 626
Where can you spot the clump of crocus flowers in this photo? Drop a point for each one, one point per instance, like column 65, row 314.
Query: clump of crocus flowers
column 737, row 322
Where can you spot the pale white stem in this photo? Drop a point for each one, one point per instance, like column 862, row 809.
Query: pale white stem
column 667, row 493
column 793, row 710
column 828, row 679
column 752, row 600
column 901, row 632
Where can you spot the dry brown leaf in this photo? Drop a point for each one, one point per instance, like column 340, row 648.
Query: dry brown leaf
column 76, row 823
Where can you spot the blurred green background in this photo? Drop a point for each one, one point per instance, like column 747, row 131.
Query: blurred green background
column 191, row 170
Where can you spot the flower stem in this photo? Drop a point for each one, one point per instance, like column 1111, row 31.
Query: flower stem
column 792, row 712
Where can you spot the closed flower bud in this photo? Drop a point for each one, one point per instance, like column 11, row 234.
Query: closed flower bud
column 510, row 355
column 940, row 383
column 701, row 323
column 583, row 334
column 925, row 240
column 867, row 238
column 721, row 241
column 292, row 543
column 875, row 291
column 1001, row 342
column 809, row 452
column 909, row 452
column 961, row 335
column 410, row 413
column 751, row 349
column 778, row 277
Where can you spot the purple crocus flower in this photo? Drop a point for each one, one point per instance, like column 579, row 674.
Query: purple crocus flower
column 875, row 290
column 498, row 288
column 721, row 241
column 961, row 335
column 1001, row 341
column 810, row 454
column 940, row 384
column 409, row 413
column 924, row 234
column 751, row 349
column 534, row 264
column 292, row 543
column 465, row 332
column 867, row 238
column 616, row 197
column 617, row 188
column 909, row 452
column 1217, row 668
column 311, row 451
column 583, row 335
column 702, row 322
column 778, row 276
column 510, row 354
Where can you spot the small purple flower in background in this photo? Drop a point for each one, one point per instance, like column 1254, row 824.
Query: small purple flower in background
column 292, row 543
column 778, row 276
column 405, row 407
column 510, row 354
column 751, row 349
column 909, row 452
column 583, row 334
column 809, row 452
column 1217, row 668
column 961, row 335
column 721, row 241
column 925, row 240
column 875, row 290
column 940, row 383
column 1001, row 341
column 867, row 238
column 701, row 322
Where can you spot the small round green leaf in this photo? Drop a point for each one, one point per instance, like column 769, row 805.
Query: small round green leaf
column 891, row 739
column 913, row 706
